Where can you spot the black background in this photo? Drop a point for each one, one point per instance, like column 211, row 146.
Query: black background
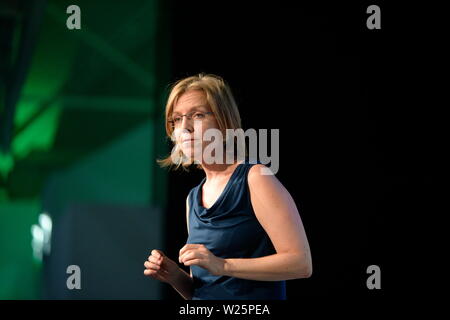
column 316, row 73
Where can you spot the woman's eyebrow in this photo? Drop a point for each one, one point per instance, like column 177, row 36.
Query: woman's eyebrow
column 193, row 108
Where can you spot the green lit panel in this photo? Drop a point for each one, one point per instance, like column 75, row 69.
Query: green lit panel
column 37, row 118
column 18, row 268
column 6, row 165
column 39, row 134
column 49, row 71
column 84, row 126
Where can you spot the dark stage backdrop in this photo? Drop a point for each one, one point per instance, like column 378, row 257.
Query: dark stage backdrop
column 302, row 70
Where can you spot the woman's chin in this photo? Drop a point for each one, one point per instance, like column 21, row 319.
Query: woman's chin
column 189, row 150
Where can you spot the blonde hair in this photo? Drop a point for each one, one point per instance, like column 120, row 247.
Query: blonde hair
column 220, row 100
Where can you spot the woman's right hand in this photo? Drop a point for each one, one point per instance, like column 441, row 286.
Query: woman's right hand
column 160, row 267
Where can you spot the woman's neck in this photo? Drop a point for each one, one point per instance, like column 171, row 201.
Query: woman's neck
column 217, row 171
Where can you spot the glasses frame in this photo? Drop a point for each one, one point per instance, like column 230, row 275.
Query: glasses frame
column 188, row 116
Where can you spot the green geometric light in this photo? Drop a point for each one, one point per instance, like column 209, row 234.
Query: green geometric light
column 6, row 164
column 49, row 70
column 40, row 134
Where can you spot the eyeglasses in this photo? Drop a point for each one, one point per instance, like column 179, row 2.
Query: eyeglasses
column 196, row 115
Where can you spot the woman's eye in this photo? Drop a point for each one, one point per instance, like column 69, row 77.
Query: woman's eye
column 198, row 115
column 176, row 119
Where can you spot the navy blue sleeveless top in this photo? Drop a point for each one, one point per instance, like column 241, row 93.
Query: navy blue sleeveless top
column 230, row 229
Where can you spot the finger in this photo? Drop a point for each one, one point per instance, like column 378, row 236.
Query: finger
column 147, row 272
column 182, row 256
column 155, row 260
column 192, row 262
column 191, row 254
column 153, row 274
column 150, row 272
column 157, row 253
column 161, row 272
column 189, row 246
column 152, row 266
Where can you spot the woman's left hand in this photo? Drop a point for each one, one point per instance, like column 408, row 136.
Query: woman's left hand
column 198, row 254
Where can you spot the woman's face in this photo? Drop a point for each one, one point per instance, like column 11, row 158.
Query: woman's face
column 189, row 132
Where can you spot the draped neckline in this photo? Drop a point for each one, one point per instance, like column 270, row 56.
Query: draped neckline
column 222, row 195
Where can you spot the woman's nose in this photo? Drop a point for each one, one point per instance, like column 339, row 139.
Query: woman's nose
column 186, row 124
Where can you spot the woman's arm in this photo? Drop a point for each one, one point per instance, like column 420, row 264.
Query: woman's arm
column 183, row 282
column 278, row 215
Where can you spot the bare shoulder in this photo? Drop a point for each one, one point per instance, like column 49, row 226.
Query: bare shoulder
column 260, row 173
column 261, row 180
column 265, row 185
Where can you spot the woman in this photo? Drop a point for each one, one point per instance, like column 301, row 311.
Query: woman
column 245, row 235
